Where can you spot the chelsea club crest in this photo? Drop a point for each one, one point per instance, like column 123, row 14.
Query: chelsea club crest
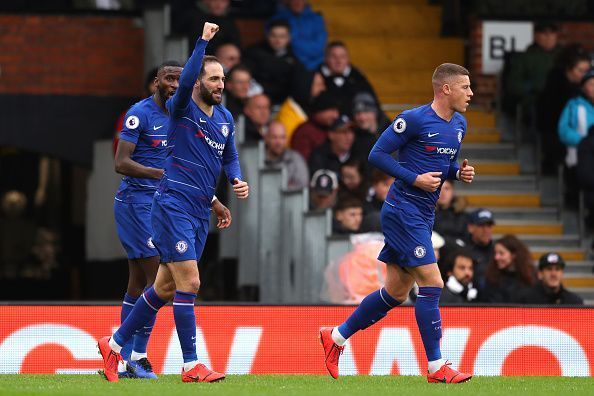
column 225, row 130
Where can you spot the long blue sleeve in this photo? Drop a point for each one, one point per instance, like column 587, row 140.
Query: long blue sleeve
column 569, row 123
column 381, row 157
column 183, row 95
column 231, row 158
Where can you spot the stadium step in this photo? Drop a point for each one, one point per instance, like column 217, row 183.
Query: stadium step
column 489, row 198
column 491, row 167
column 344, row 20
column 509, row 182
column 524, row 227
column 578, row 268
column 403, row 53
column 501, row 151
column 546, row 243
column 482, row 135
column 579, row 281
column 549, row 214
column 567, row 254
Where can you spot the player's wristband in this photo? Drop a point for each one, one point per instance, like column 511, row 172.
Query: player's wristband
column 214, row 198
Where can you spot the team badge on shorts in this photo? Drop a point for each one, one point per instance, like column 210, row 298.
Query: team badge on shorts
column 459, row 137
column 181, row 246
column 149, row 243
column 399, row 125
column 225, row 130
column 132, row 122
column 420, row 251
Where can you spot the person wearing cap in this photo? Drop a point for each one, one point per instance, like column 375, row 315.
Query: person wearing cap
column 337, row 149
column 458, row 271
column 323, row 189
column 549, row 289
column 369, row 122
column 313, row 132
column 480, row 242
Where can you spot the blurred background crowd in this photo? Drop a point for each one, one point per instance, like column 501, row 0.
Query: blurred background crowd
column 295, row 84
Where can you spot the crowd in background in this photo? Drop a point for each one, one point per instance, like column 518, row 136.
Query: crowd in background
column 319, row 117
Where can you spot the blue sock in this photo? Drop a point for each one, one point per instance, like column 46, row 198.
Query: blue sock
column 429, row 320
column 373, row 308
column 141, row 338
column 185, row 323
column 144, row 312
column 127, row 306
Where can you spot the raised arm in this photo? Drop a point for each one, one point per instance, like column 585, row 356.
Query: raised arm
column 191, row 71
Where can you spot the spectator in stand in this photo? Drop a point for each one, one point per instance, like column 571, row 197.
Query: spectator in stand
column 275, row 66
column 585, row 174
column 451, row 221
column 323, row 189
column 376, row 195
column 336, row 150
column 188, row 17
column 229, row 55
column 352, row 179
column 549, row 288
column 563, row 83
column 577, row 117
column 257, row 117
column 237, row 89
column 527, row 71
column 510, row 271
column 369, row 121
column 314, row 132
column 342, row 79
column 308, row 31
column 278, row 155
column 480, row 242
column 459, row 271
column 348, row 215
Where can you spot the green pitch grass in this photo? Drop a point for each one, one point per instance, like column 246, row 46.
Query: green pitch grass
column 292, row 385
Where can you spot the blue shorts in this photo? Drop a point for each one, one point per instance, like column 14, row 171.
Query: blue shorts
column 133, row 223
column 177, row 235
column 407, row 236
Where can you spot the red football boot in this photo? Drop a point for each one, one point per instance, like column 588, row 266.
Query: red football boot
column 201, row 373
column 110, row 360
column 332, row 351
column 448, row 375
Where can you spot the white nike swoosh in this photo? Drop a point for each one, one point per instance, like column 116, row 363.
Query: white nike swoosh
column 157, row 127
column 201, row 120
column 432, row 322
column 432, row 134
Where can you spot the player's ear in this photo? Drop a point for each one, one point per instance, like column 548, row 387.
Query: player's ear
column 446, row 89
column 197, row 83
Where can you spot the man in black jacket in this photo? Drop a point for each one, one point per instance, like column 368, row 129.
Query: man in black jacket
column 458, row 288
column 549, row 289
column 585, row 175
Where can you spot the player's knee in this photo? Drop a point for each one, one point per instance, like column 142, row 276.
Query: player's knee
column 398, row 293
column 193, row 285
column 437, row 282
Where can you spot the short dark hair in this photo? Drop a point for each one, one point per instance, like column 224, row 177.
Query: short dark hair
column 347, row 201
column 168, row 63
column 205, row 60
column 447, row 70
column 450, row 259
column 238, row 67
column 379, row 176
column 277, row 23
column 333, row 44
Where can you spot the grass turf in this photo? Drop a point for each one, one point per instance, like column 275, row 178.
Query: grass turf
column 291, row 385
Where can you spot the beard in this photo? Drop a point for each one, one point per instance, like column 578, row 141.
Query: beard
column 208, row 97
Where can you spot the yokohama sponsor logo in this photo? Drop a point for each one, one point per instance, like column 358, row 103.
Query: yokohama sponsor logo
column 213, row 144
column 250, row 339
column 447, row 150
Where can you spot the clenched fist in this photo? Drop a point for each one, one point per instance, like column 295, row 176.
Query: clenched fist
column 209, row 31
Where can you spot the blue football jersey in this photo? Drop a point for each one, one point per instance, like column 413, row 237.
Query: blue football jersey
column 198, row 145
column 145, row 125
column 425, row 143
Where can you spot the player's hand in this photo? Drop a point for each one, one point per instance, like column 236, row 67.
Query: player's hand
column 209, row 30
column 223, row 214
column 429, row 181
column 240, row 188
column 466, row 172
